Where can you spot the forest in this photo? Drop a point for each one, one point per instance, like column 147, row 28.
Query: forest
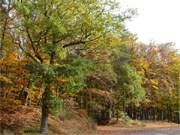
column 58, row 56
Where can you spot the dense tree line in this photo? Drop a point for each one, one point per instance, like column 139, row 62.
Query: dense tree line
column 50, row 48
column 159, row 67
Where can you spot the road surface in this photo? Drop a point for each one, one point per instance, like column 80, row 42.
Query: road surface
column 153, row 131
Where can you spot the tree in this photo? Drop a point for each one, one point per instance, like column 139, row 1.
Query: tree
column 157, row 64
column 49, row 31
column 128, row 89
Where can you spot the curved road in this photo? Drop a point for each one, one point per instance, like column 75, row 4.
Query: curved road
column 153, row 131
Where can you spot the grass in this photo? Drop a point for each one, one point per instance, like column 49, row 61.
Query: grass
column 32, row 131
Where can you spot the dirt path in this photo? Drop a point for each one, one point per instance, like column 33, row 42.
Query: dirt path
column 148, row 131
column 141, row 128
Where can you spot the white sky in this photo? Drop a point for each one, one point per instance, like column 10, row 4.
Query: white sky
column 157, row 20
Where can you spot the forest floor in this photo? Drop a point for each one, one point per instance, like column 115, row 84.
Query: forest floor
column 72, row 122
column 140, row 128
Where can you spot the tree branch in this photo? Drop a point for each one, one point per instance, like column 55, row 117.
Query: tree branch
column 74, row 43
column 33, row 47
column 28, row 54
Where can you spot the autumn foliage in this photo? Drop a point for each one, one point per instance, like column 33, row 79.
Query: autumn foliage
column 52, row 51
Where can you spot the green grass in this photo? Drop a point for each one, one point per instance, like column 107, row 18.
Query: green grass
column 32, row 131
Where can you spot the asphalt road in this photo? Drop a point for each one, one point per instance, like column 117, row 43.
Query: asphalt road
column 156, row 131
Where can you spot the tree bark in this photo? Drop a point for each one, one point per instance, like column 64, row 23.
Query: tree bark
column 45, row 111
column 44, row 120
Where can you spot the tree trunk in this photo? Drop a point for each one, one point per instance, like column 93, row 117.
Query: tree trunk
column 45, row 111
column 44, row 120
column 1, row 129
column 45, row 98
